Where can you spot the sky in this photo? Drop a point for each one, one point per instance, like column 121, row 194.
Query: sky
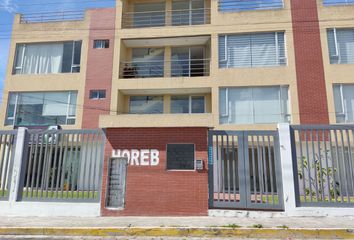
column 8, row 8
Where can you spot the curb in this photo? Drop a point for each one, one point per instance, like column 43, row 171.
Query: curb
column 270, row 233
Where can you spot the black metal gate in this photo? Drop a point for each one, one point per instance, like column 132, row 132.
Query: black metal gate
column 244, row 170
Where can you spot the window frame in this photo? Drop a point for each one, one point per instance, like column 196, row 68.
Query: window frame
column 98, row 91
column 344, row 110
column 161, row 96
column 337, row 58
column 104, row 43
column 190, row 97
column 194, row 155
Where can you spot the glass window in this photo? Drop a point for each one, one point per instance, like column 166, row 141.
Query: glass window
column 249, row 5
column 187, row 104
column 341, row 46
column 149, row 14
column 180, row 156
column 337, row 2
column 247, row 105
column 148, row 62
column 146, row 105
column 188, row 12
column 101, row 44
column 188, row 62
column 41, row 108
column 252, row 50
column 97, row 94
column 47, row 58
column 344, row 102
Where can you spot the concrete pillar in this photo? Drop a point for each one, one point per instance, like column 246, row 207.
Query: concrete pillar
column 287, row 167
column 18, row 166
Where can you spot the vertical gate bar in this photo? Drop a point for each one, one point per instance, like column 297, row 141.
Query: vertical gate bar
column 265, row 169
column 327, row 166
column 70, row 163
column 350, row 161
column 271, row 168
column 29, row 165
column 50, row 160
column 60, row 167
column 242, row 155
column 45, row 163
column 222, row 167
column 2, row 165
column 211, row 162
column 254, row 169
column 228, row 166
column 36, row 137
column 39, row 163
column 332, row 164
column 343, row 157
column 63, row 171
column 320, row 162
column 55, row 167
column 217, row 167
column 338, row 165
column 8, row 162
column 314, row 161
column 76, row 165
column 80, row 138
column 95, row 166
column 302, row 164
column 260, row 178
column 90, row 165
column 234, row 167
column 84, row 159
column 308, row 164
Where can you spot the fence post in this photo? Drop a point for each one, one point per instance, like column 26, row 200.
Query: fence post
column 286, row 159
column 18, row 168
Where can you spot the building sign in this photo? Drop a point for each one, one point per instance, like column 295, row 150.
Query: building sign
column 142, row 157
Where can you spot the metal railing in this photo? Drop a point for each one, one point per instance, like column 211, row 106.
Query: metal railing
column 64, row 165
column 52, row 17
column 166, row 18
column 324, row 158
column 7, row 146
column 337, row 2
column 175, row 68
column 249, row 5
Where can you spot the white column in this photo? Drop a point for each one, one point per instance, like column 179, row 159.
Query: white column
column 287, row 168
column 17, row 164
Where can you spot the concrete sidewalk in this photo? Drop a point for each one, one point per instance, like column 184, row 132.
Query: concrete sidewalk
column 276, row 228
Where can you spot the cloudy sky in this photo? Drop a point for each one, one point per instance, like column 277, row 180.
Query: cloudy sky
column 8, row 8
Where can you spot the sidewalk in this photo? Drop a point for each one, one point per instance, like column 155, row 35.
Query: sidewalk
column 280, row 227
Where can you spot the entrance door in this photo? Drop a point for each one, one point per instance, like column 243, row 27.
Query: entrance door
column 244, row 170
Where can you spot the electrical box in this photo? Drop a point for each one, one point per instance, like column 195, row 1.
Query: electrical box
column 200, row 165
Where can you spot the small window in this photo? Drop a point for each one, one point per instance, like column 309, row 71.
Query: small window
column 101, row 44
column 180, row 156
column 97, row 94
column 187, row 104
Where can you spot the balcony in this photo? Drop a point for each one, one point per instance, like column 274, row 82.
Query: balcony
column 179, row 13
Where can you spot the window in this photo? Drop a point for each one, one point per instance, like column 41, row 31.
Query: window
column 337, row 2
column 148, row 62
column 341, row 45
column 188, row 62
column 252, row 105
column 188, row 12
column 149, row 14
column 48, row 58
column 180, row 156
column 344, row 102
column 249, row 5
column 41, row 108
column 101, row 44
column 187, row 104
column 97, row 94
column 146, row 105
column 252, row 50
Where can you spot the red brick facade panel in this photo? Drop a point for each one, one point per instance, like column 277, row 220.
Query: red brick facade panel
column 153, row 190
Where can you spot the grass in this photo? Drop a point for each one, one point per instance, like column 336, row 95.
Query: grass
column 233, row 225
column 257, row 226
column 283, row 227
column 60, row 195
column 326, row 199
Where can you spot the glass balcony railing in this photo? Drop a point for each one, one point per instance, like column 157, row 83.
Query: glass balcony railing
column 175, row 68
column 166, row 18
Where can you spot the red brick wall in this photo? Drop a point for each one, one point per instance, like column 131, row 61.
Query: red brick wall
column 151, row 190
column 309, row 63
column 99, row 66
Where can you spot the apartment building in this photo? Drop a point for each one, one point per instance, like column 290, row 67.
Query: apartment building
column 157, row 75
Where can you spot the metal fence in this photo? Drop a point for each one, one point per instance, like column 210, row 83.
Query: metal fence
column 166, row 18
column 245, row 171
column 176, row 68
column 323, row 159
column 7, row 146
column 249, row 5
column 63, row 165
column 52, row 17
